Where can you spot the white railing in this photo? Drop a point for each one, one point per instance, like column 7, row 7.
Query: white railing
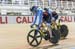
column 24, row 6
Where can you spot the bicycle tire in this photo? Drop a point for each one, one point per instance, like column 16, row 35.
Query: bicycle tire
column 34, row 45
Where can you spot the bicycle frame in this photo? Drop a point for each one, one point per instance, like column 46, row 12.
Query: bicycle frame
column 35, row 28
column 52, row 26
column 58, row 24
column 42, row 33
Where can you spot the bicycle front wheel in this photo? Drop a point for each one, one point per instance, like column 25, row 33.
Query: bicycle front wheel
column 34, row 37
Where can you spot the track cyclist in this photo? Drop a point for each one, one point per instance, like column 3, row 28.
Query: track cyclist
column 38, row 15
column 41, row 17
column 49, row 17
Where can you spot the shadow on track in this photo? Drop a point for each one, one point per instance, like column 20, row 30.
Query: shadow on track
column 44, row 47
column 64, row 39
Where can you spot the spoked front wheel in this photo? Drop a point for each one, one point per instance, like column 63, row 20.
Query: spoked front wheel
column 34, row 38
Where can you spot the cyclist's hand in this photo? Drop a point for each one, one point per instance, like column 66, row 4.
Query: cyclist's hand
column 31, row 26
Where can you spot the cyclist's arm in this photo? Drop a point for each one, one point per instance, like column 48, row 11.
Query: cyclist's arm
column 34, row 19
column 39, row 15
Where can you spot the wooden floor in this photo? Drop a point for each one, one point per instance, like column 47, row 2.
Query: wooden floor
column 14, row 36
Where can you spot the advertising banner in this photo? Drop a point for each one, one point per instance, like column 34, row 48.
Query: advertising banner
column 15, row 19
column 29, row 19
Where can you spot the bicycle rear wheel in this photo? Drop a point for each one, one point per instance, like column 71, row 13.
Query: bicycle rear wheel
column 56, row 36
column 64, row 31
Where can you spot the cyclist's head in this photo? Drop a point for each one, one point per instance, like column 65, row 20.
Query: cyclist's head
column 54, row 13
column 33, row 8
column 46, row 9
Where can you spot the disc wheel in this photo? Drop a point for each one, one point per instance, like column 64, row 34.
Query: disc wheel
column 64, row 31
column 56, row 36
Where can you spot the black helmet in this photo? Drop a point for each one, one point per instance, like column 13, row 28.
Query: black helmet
column 46, row 9
column 54, row 13
column 33, row 8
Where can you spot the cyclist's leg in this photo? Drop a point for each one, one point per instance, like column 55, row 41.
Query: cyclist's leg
column 37, row 28
column 49, row 29
column 53, row 21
